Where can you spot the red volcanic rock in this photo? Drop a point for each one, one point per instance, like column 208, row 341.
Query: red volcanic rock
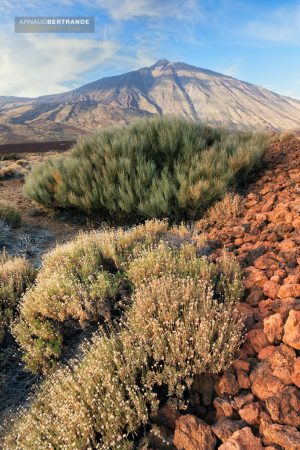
column 242, row 440
column 192, row 433
column 270, row 289
column 287, row 436
column 284, row 407
column 241, row 364
column 255, row 277
column 166, row 416
column 292, row 330
column 224, row 407
column 250, row 413
column 227, row 384
column 265, row 307
column 273, row 373
column 257, row 339
column 255, row 297
column 243, row 379
column 296, row 373
column 266, row 261
column 289, row 290
column 273, row 328
column 225, row 427
column 266, row 352
column 243, row 399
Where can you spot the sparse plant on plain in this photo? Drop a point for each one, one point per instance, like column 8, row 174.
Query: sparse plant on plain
column 9, row 215
column 16, row 274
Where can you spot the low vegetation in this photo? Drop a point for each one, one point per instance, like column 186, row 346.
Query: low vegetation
column 222, row 212
column 81, row 281
column 154, row 168
column 179, row 319
column 16, row 274
column 9, row 215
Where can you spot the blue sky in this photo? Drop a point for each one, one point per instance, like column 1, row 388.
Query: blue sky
column 257, row 41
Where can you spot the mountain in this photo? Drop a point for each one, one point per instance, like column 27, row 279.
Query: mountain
column 163, row 88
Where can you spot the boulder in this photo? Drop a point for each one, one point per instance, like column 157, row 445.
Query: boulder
column 192, row 433
column 257, row 339
column 242, row 440
column 292, row 330
column 224, row 407
column 296, row 373
column 273, row 373
column 284, row 407
column 225, row 427
column 273, row 328
column 250, row 413
column 227, row 384
column 289, row 290
column 287, row 436
column 270, row 289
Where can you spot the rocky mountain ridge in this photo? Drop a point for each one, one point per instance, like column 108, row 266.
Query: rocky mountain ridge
column 163, row 88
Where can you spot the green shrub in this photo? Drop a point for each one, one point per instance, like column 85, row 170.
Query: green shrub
column 16, row 274
column 161, row 167
column 182, row 322
column 10, row 215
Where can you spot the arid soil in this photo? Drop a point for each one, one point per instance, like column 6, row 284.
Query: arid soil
column 256, row 403
column 40, row 230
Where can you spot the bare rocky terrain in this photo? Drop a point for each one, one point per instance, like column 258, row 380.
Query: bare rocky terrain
column 163, row 88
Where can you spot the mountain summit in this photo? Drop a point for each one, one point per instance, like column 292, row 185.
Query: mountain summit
column 163, row 88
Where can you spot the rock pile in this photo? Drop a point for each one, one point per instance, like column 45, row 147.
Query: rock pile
column 256, row 403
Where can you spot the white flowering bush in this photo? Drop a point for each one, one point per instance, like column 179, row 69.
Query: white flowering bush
column 182, row 321
column 80, row 281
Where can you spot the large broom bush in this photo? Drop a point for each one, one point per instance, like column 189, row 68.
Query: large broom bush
column 161, row 167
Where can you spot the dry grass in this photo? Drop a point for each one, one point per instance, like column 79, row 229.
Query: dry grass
column 182, row 322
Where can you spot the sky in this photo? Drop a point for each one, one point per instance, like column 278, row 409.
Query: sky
column 256, row 41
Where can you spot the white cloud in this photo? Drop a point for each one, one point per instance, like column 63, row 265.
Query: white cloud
column 282, row 25
column 32, row 65
column 231, row 71
column 130, row 9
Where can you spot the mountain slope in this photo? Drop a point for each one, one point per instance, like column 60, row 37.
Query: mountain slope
column 163, row 88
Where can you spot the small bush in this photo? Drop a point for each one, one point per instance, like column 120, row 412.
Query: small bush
column 80, row 281
column 182, row 322
column 16, row 274
column 161, row 167
column 10, row 215
column 287, row 136
column 222, row 212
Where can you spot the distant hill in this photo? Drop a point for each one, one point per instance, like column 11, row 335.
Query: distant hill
column 163, row 88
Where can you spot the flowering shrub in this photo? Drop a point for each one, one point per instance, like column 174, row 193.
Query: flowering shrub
column 182, row 321
column 80, row 281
